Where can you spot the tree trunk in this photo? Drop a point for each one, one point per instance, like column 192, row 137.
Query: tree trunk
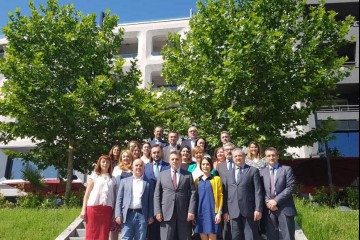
column 69, row 169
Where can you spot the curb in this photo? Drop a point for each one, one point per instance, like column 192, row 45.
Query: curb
column 70, row 230
column 299, row 234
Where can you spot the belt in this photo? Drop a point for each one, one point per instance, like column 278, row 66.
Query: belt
column 139, row 210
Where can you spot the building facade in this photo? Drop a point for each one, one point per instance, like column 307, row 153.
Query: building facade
column 144, row 41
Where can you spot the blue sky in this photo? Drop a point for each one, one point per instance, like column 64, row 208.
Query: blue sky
column 127, row 10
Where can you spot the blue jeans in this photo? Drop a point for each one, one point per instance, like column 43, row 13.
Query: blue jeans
column 135, row 227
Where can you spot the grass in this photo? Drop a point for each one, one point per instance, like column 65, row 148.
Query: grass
column 20, row 224
column 319, row 222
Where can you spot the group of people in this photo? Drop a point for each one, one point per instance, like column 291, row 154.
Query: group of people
column 166, row 191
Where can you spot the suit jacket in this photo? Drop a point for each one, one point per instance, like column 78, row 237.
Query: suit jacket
column 166, row 197
column 245, row 197
column 166, row 152
column 222, row 170
column 284, row 188
column 161, row 142
column 124, row 198
column 186, row 142
column 149, row 171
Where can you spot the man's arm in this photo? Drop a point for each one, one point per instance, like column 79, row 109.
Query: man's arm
column 289, row 189
column 119, row 203
column 157, row 199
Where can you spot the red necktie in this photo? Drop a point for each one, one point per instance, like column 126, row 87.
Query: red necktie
column 174, row 179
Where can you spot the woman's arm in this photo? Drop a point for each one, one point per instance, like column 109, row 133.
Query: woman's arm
column 89, row 187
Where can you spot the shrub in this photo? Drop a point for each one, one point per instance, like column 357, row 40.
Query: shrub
column 5, row 203
column 345, row 197
column 31, row 200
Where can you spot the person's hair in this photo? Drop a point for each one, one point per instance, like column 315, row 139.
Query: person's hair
column 175, row 152
column 229, row 144
column 145, row 143
column 136, row 143
column 157, row 145
column 224, row 132
column 258, row 155
column 158, row 127
column 272, row 149
column 123, row 166
column 192, row 126
column 188, row 148
column 196, row 150
column 206, row 144
column 210, row 162
column 98, row 167
column 216, row 151
column 173, row 132
column 111, row 154
column 238, row 149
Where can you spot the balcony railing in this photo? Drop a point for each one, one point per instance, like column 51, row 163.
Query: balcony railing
column 339, row 108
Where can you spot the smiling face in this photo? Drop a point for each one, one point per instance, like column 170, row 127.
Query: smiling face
column 220, row 154
column 116, row 151
column 199, row 155
column 201, row 143
column 138, row 168
column 205, row 166
column 254, row 150
column 158, row 132
column 173, row 138
column 185, row 155
column 146, row 149
column 136, row 152
column 104, row 165
column 125, row 158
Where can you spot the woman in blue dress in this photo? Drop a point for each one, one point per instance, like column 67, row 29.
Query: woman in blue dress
column 210, row 196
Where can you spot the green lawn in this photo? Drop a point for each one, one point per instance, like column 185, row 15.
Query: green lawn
column 20, row 224
column 319, row 223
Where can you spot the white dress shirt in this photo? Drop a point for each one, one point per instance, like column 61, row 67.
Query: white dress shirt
column 137, row 192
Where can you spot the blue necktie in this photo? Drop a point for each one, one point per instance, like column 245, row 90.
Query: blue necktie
column 156, row 172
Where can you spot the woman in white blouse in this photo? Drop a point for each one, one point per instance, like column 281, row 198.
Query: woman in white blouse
column 99, row 200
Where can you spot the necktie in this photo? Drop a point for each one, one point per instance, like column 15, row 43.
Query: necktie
column 230, row 165
column 156, row 172
column 272, row 183
column 174, row 179
column 238, row 175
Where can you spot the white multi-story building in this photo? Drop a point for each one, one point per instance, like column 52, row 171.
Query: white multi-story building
column 144, row 40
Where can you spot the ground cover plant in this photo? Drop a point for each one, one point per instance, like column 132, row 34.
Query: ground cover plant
column 322, row 222
column 17, row 223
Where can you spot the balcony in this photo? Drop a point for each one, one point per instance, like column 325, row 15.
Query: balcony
column 339, row 108
column 339, row 112
column 129, row 48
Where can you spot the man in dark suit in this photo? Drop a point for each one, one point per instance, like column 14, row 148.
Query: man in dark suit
column 173, row 146
column 279, row 185
column 223, row 168
column 157, row 139
column 152, row 172
column 175, row 201
column 134, row 203
column 192, row 136
column 243, row 199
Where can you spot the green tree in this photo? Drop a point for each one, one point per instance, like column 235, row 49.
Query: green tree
column 66, row 89
column 256, row 68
